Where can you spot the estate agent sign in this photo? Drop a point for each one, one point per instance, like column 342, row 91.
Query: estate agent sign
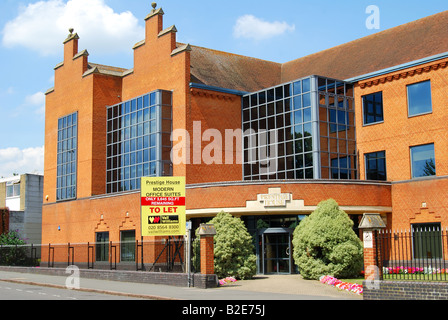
column 163, row 206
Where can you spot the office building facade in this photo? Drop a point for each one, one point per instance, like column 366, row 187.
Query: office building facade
column 362, row 123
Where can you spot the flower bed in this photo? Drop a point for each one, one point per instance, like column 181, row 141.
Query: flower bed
column 413, row 270
column 341, row 285
column 228, row 280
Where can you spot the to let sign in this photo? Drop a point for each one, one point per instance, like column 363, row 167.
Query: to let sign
column 163, row 206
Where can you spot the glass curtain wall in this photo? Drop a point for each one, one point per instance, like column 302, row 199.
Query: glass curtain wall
column 67, row 157
column 337, row 129
column 139, row 140
column 300, row 130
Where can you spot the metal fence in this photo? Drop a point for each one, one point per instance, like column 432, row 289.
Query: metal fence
column 418, row 254
column 161, row 255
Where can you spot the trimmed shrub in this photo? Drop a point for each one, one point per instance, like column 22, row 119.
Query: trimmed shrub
column 325, row 244
column 234, row 250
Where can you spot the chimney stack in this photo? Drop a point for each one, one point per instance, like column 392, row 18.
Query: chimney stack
column 70, row 45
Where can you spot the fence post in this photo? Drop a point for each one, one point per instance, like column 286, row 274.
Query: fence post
column 370, row 224
column 207, row 233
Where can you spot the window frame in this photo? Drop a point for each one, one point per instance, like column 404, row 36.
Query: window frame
column 127, row 247
column 102, row 246
column 15, row 186
column 67, row 157
column 409, row 99
column 365, row 109
column 424, row 237
column 377, row 158
column 411, row 149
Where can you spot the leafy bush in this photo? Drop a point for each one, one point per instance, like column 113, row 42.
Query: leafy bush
column 12, row 252
column 234, row 250
column 325, row 244
column 11, row 238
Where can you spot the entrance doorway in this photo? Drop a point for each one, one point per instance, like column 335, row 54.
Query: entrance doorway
column 275, row 251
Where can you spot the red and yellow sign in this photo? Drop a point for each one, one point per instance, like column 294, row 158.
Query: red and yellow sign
column 163, row 206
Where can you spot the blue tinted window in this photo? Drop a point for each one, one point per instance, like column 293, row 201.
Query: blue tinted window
column 66, row 157
column 306, row 85
column 423, row 161
column 306, row 100
column 133, row 131
column 297, row 87
column 419, row 98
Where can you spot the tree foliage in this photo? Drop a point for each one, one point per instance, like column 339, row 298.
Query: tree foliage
column 11, row 238
column 12, row 252
column 234, row 250
column 325, row 244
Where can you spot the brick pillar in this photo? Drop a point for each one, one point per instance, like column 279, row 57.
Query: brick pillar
column 372, row 265
column 207, row 233
column 207, row 255
column 370, row 224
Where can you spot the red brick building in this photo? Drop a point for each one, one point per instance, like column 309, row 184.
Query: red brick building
column 362, row 123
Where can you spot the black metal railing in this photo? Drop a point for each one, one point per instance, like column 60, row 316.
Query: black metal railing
column 162, row 255
column 418, row 254
column 20, row 255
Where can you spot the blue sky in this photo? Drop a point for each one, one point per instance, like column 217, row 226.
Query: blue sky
column 32, row 32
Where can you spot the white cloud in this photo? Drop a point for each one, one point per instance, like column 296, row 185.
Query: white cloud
column 251, row 27
column 43, row 26
column 37, row 102
column 15, row 160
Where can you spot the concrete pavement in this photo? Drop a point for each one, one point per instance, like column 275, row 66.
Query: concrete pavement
column 272, row 287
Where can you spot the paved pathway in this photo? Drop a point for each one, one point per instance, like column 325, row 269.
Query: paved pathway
column 294, row 285
column 284, row 287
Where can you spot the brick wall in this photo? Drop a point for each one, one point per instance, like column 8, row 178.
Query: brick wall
column 171, row 279
column 398, row 131
column 420, row 201
column 345, row 193
column 205, row 106
column 406, row 290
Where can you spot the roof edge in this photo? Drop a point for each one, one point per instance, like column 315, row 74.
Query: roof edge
column 217, row 89
column 403, row 66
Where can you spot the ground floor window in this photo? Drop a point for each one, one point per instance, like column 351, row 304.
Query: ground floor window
column 127, row 252
column 427, row 241
column 102, row 246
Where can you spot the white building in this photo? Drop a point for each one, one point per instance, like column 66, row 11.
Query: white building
column 23, row 195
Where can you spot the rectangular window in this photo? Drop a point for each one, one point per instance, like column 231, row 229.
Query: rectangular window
column 423, row 161
column 427, row 241
column 373, row 108
column 376, row 166
column 12, row 190
column 139, row 140
column 102, row 246
column 67, row 157
column 128, row 245
column 419, row 98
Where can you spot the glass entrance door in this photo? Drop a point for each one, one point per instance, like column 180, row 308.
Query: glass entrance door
column 276, row 252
